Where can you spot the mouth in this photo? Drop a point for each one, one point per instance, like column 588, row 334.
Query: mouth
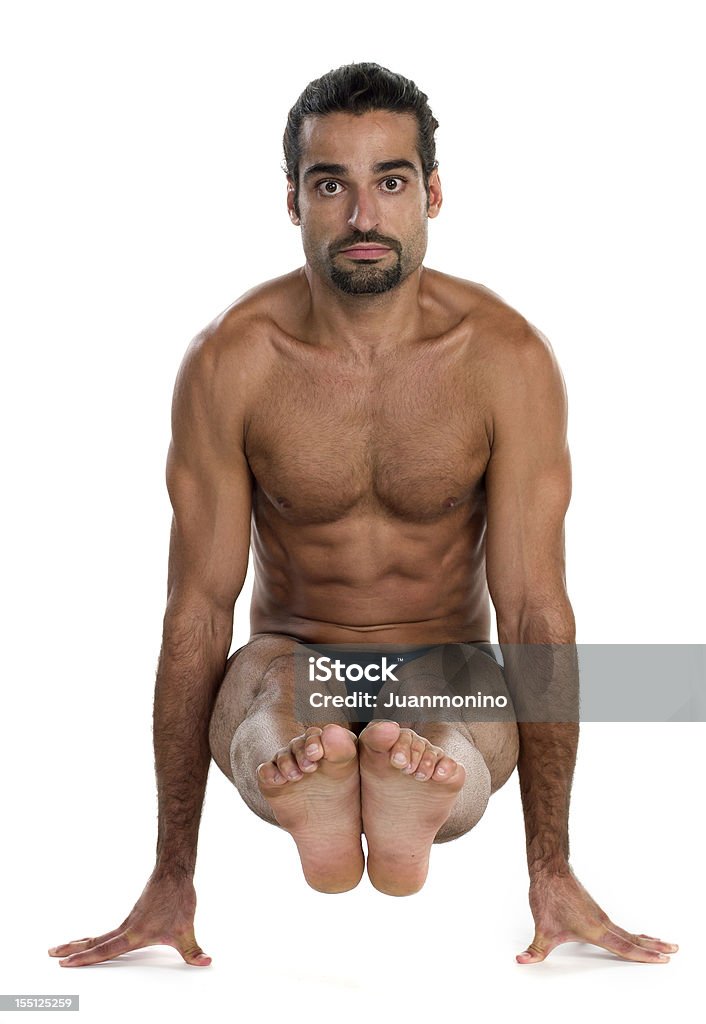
column 365, row 252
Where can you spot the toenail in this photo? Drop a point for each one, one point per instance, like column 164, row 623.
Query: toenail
column 294, row 775
column 305, row 763
column 420, row 775
column 441, row 771
column 399, row 759
column 313, row 749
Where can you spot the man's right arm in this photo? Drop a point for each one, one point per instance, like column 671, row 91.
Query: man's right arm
column 209, row 485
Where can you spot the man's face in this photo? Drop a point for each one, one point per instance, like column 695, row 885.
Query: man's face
column 361, row 183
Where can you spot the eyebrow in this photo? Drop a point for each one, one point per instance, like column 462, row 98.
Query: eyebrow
column 340, row 170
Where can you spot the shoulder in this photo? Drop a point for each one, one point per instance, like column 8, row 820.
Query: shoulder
column 225, row 364
column 233, row 352
column 501, row 341
column 240, row 333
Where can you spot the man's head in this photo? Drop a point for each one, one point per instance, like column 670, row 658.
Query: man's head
column 360, row 160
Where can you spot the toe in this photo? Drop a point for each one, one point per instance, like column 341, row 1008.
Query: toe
column 339, row 744
column 448, row 771
column 444, row 767
column 287, row 764
column 380, row 735
column 313, row 745
column 426, row 765
column 304, row 763
column 268, row 774
column 401, row 750
column 416, row 753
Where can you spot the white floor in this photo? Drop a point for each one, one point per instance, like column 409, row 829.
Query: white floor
column 280, row 948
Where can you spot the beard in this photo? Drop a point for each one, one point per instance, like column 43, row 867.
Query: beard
column 367, row 279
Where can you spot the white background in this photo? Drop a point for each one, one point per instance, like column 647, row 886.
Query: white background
column 142, row 193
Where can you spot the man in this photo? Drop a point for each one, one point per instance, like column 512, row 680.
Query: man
column 398, row 438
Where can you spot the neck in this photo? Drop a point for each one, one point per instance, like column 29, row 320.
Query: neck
column 365, row 323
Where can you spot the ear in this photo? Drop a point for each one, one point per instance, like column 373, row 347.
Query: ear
column 435, row 196
column 291, row 189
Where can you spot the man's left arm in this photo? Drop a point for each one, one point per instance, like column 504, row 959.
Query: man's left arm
column 528, row 488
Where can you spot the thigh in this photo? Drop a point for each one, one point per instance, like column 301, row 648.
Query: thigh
column 242, row 682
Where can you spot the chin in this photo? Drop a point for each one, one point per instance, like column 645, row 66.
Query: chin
column 366, row 280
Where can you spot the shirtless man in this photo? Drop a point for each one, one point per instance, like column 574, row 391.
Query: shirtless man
column 398, row 438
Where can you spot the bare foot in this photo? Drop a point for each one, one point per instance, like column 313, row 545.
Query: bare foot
column 313, row 788
column 404, row 802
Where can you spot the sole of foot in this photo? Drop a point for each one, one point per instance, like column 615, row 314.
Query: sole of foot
column 321, row 808
column 401, row 812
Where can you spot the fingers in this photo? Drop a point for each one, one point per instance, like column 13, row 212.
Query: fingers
column 102, row 951
column 637, row 948
column 657, row 944
column 77, row 945
column 627, row 947
column 645, row 941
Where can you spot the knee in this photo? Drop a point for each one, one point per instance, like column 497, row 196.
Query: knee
column 470, row 805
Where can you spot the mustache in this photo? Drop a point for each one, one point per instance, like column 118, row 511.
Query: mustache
column 366, row 238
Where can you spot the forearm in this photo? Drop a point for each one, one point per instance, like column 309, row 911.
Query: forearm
column 191, row 666
column 541, row 670
column 545, row 767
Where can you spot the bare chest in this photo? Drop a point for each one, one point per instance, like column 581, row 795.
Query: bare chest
column 403, row 439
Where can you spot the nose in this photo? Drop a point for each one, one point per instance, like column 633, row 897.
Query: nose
column 364, row 214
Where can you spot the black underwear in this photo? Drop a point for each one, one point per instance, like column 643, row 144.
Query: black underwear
column 395, row 657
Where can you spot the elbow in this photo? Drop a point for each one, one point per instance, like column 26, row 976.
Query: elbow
column 546, row 623
column 194, row 620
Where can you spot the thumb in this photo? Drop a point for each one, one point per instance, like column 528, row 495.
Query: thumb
column 194, row 955
column 535, row 952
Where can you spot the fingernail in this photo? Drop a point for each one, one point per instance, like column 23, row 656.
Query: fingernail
column 663, row 958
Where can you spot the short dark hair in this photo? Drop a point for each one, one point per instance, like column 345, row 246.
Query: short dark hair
column 357, row 89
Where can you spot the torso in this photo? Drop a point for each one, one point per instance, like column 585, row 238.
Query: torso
column 369, row 516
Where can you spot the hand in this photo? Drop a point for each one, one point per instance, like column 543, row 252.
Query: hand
column 163, row 915
column 564, row 912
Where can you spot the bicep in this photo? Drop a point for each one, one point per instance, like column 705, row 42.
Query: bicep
column 210, row 488
column 528, row 483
